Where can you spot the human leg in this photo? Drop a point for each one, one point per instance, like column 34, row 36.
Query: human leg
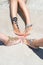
column 13, row 11
column 26, row 13
column 3, row 37
column 34, row 43
column 8, row 41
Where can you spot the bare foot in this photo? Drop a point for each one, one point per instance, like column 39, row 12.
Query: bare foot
column 21, row 34
column 12, row 41
column 31, row 43
column 17, row 31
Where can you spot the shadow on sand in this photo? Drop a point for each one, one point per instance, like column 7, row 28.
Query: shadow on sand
column 38, row 52
column 20, row 12
column 1, row 43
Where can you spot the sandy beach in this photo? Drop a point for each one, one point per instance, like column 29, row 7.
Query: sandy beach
column 21, row 54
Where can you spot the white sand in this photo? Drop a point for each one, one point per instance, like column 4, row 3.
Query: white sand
column 21, row 54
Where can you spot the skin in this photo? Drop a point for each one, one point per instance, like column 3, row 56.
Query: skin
column 3, row 37
column 26, row 14
column 8, row 41
column 13, row 11
column 13, row 8
column 35, row 43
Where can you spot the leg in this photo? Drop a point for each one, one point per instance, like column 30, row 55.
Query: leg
column 25, row 10
column 9, row 40
column 26, row 13
column 21, row 13
column 13, row 11
column 34, row 43
column 3, row 37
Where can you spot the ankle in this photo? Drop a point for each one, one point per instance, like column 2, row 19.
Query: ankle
column 6, row 40
column 36, row 43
